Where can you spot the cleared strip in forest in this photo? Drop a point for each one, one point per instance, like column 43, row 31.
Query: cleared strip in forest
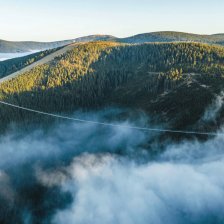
column 42, row 61
column 111, row 124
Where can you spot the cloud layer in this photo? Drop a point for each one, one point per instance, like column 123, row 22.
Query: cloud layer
column 82, row 173
column 111, row 190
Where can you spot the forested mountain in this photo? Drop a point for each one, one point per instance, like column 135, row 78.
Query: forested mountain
column 168, row 36
column 26, row 46
column 13, row 47
column 172, row 81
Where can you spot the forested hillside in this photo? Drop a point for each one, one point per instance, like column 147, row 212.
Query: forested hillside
column 165, row 80
column 12, row 65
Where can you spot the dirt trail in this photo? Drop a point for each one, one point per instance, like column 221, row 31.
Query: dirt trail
column 42, row 61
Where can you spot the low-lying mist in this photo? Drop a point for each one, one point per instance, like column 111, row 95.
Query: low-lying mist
column 7, row 56
column 88, row 173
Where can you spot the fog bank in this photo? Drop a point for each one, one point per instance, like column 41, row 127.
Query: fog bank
column 87, row 173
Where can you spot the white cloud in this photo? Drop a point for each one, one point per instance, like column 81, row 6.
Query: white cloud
column 110, row 190
column 213, row 110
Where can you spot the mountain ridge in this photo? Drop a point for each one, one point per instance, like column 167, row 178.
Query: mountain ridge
column 163, row 36
column 26, row 46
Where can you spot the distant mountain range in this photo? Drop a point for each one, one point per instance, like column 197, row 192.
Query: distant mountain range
column 26, row 46
column 165, row 36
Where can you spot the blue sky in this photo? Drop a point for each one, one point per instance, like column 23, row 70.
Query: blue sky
column 47, row 20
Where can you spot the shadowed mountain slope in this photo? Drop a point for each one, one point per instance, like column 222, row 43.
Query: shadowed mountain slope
column 173, row 82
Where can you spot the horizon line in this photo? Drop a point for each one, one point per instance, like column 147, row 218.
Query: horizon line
column 98, row 34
